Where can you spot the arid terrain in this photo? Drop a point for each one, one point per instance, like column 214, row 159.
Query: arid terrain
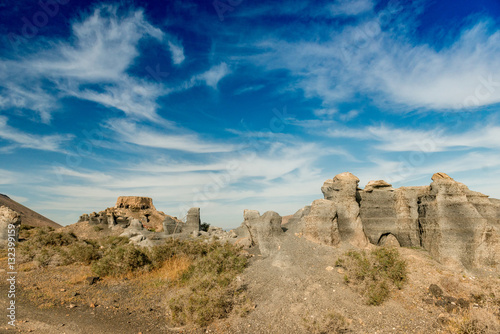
column 310, row 274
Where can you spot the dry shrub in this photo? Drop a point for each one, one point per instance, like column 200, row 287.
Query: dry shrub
column 330, row 323
column 474, row 321
column 209, row 287
column 374, row 273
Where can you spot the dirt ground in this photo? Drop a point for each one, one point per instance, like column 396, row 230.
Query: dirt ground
column 288, row 290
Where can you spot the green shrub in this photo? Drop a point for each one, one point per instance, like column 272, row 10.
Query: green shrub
column 84, row 251
column 374, row 273
column 121, row 260
column 204, row 227
column 97, row 228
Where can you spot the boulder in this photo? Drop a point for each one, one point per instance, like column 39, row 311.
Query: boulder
column 299, row 215
column 264, row 231
column 388, row 240
column 10, row 221
column 171, row 226
column 136, row 224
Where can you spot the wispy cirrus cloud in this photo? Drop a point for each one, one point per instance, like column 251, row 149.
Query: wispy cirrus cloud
column 95, row 65
column 392, row 139
column 372, row 58
column 22, row 139
column 349, row 7
column 170, row 137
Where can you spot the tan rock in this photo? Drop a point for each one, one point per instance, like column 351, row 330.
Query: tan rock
column 134, row 203
column 441, row 176
column 379, row 185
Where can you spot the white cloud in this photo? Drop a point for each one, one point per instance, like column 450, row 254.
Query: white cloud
column 391, row 69
column 8, row 177
column 326, row 112
column 350, row 7
column 248, row 89
column 103, row 46
column 169, row 138
column 26, row 140
column 214, row 75
column 433, row 140
column 177, row 52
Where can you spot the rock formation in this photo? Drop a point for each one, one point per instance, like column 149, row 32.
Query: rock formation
column 128, row 208
column 456, row 225
column 9, row 224
column 342, row 190
column 261, row 231
column 321, row 223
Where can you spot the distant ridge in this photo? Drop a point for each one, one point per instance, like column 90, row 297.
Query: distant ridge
column 28, row 216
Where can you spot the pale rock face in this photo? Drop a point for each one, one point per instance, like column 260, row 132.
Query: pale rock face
column 264, row 231
column 8, row 217
column 342, row 190
column 321, row 224
column 193, row 221
column 459, row 226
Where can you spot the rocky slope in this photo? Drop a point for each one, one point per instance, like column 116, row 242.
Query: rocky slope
column 28, row 216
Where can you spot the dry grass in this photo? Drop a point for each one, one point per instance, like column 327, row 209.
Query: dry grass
column 172, row 269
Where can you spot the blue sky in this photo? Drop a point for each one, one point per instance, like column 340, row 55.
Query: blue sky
column 235, row 104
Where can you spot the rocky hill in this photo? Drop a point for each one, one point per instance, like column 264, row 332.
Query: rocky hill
column 28, row 216
column 130, row 208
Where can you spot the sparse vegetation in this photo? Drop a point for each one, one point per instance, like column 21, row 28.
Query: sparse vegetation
column 121, row 260
column 466, row 324
column 209, row 288
column 374, row 273
column 202, row 273
column 332, row 322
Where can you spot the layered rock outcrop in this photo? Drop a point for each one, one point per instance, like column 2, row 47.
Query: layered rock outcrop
column 342, row 190
column 456, row 225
